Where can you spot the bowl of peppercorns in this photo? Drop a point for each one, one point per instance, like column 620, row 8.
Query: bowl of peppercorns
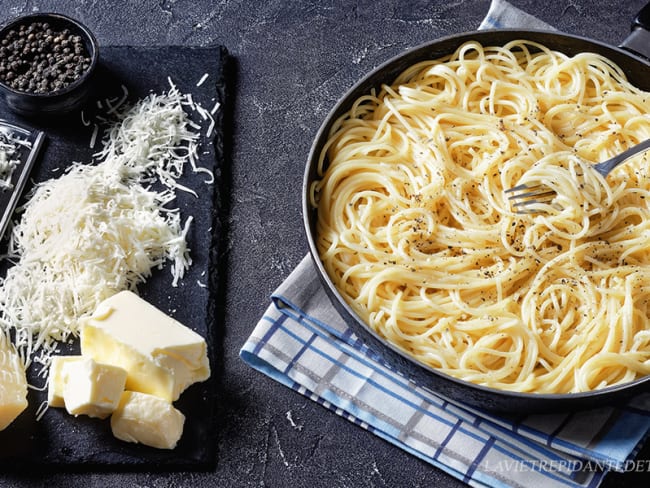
column 46, row 64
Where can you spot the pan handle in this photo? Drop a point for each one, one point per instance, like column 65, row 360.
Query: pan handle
column 638, row 41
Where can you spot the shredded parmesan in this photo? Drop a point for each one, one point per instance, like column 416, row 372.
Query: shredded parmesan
column 100, row 228
column 118, row 102
column 202, row 80
column 93, row 137
column 84, row 121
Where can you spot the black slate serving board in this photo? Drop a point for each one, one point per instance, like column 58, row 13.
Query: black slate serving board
column 58, row 440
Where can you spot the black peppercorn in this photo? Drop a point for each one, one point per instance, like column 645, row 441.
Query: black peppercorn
column 28, row 50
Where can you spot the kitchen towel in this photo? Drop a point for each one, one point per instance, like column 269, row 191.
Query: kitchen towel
column 303, row 343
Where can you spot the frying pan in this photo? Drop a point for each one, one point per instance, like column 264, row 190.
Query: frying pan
column 633, row 56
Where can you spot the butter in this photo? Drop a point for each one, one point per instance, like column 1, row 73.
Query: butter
column 13, row 384
column 56, row 380
column 91, row 388
column 161, row 356
column 148, row 420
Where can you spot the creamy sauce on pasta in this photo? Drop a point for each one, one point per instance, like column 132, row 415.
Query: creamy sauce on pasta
column 416, row 233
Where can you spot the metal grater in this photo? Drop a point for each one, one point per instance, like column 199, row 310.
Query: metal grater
column 27, row 145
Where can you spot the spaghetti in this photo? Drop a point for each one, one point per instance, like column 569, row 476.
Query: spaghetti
column 417, row 235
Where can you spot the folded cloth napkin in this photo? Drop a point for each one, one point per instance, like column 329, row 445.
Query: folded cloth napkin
column 303, row 343
column 502, row 15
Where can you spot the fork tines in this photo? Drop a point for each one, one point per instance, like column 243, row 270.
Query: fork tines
column 525, row 195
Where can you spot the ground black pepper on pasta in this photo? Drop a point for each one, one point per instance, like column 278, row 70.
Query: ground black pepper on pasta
column 420, row 239
column 38, row 58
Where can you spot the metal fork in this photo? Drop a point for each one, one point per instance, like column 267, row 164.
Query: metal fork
column 522, row 196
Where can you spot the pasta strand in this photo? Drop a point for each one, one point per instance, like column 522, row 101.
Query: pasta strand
column 415, row 231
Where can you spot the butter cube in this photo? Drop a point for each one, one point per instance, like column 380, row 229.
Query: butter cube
column 13, row 383
column 56, row 380
column 92, row 388
column 161, row 356
column 147, row 419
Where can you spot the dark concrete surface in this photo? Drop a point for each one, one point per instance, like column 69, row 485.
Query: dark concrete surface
column 294, row 59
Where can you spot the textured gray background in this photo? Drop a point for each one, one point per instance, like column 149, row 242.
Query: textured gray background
column 294, row 60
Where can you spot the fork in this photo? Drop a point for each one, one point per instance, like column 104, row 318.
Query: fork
column 522, row 196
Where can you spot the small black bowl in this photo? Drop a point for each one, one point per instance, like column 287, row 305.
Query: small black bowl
column 63, row 100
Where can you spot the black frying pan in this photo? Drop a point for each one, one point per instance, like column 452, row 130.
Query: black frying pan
column 634, row 58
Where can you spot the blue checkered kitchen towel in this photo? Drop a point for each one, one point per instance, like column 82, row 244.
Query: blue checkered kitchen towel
column 303, row 343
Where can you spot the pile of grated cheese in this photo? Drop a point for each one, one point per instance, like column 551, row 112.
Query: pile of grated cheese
column 100, row 228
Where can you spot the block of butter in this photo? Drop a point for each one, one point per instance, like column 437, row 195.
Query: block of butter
column 56, row 380
column 91, row 388
column 147, row 419
column 13, row 383
column 161, row 356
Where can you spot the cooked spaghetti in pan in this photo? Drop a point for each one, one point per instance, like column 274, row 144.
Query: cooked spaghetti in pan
column 417, row 235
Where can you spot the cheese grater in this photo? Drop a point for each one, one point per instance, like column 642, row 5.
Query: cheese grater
column 20, row 148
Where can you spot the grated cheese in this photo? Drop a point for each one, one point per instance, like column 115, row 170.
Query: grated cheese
column 85, row 122
column 93, row 137
column 117, row 103
column 100, row 228
column 202, row 80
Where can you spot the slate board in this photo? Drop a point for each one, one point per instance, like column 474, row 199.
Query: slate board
column 60, row 441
